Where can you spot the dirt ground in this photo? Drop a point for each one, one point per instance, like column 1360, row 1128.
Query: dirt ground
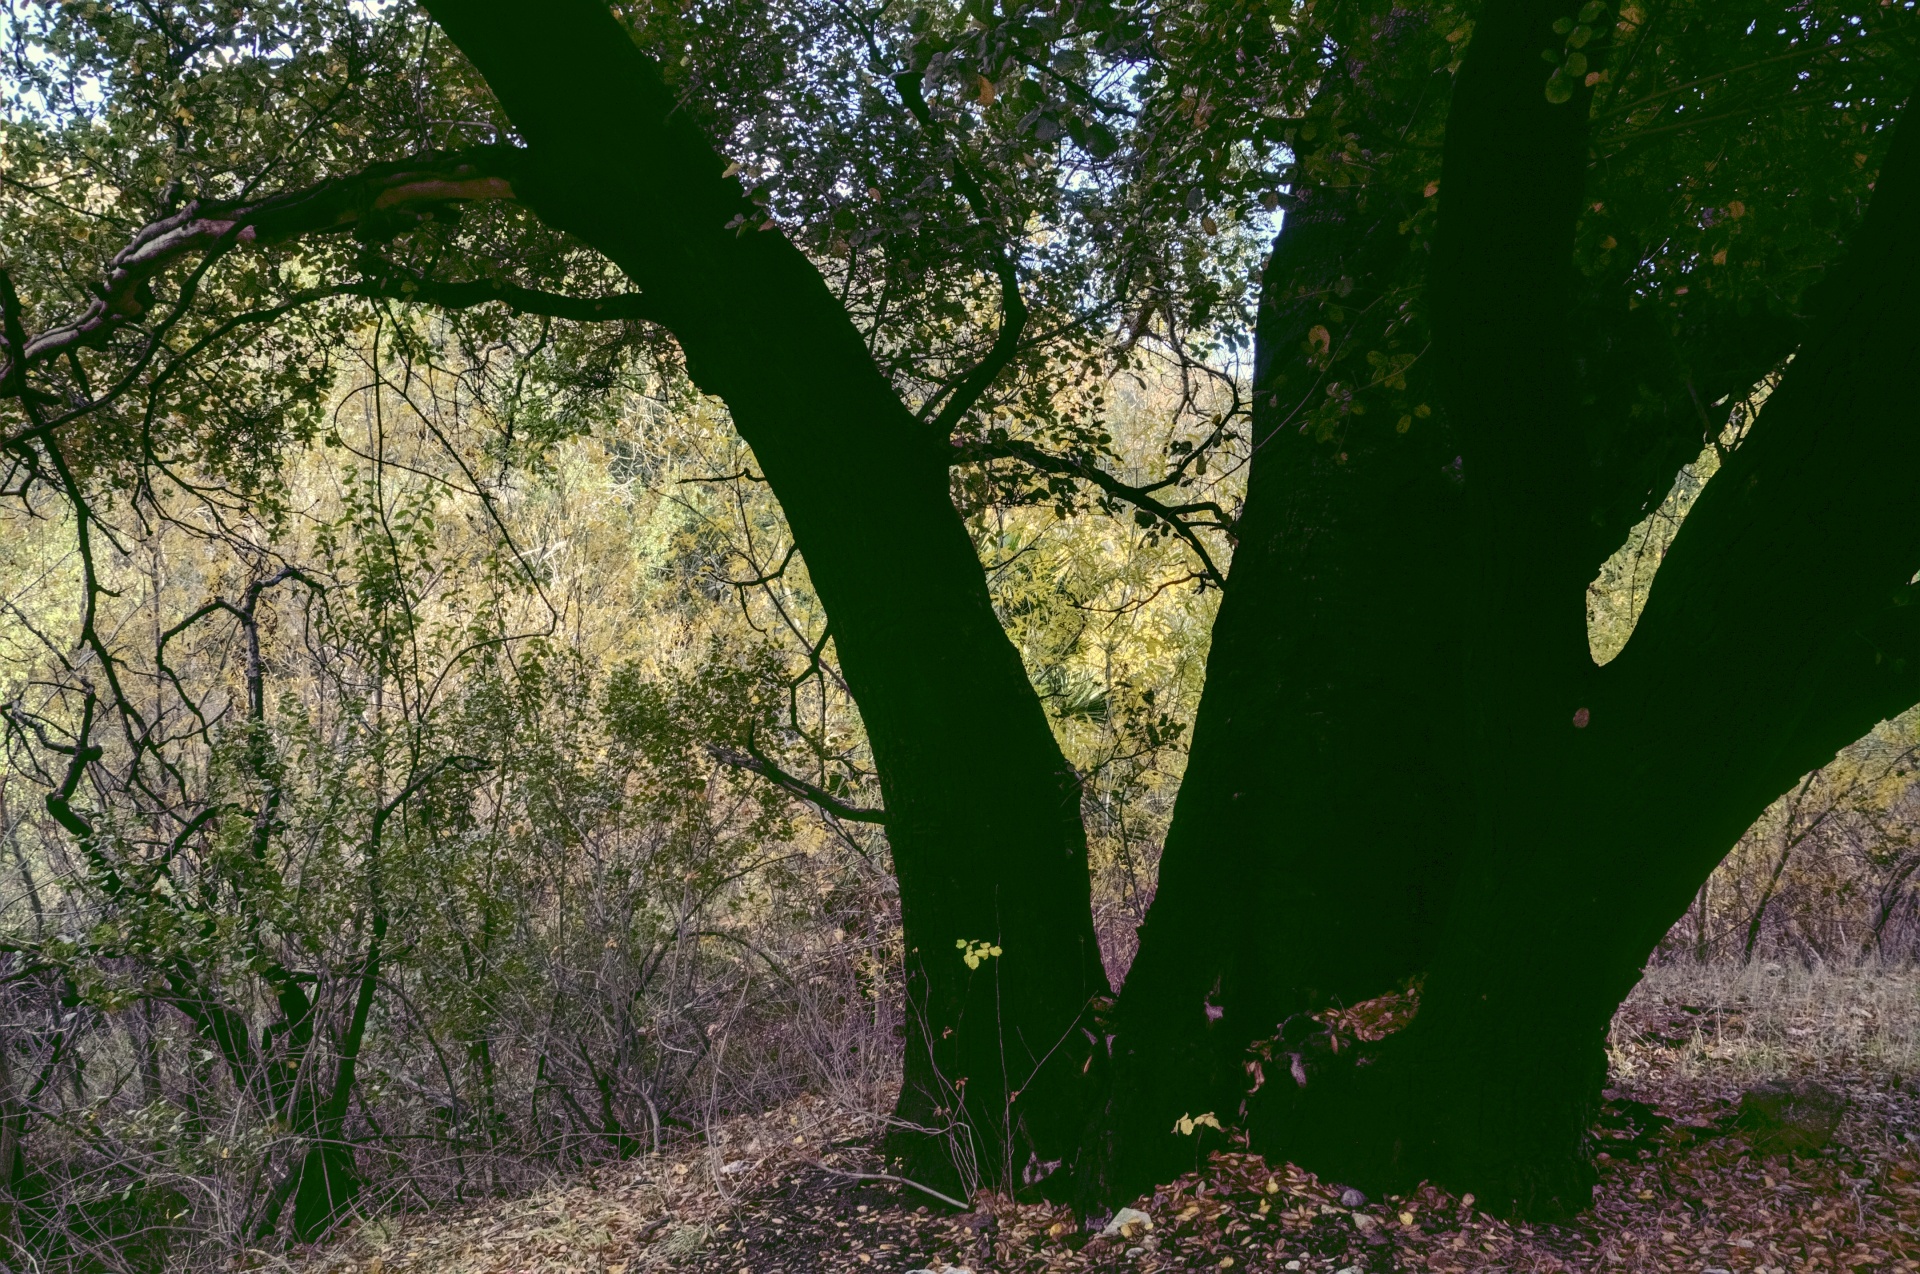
column 1683, row 1186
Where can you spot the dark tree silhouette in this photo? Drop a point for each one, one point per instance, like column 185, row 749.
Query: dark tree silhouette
column 1407, row 768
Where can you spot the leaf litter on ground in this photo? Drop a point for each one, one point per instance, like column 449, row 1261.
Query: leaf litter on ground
column 1685, row 1184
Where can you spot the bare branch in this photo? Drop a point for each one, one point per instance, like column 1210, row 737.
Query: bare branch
column 753, row 762
column 1173, row 515
column 399, row 286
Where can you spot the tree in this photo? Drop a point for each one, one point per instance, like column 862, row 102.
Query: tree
column 1416, row 573
column 1526, row 887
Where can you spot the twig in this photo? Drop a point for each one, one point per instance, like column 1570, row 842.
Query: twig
column 754, row 762
column 1173, row 516
column 947, row 1199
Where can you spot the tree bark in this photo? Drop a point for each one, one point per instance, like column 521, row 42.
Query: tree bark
column 1316, row 826
column 1323, row 806
column 982, row 809
column 1775, row 633
column 1579, row 808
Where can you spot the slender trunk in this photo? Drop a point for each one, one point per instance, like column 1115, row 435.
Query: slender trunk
column 13, row 1152
column 1891, row 897
column 327, row 1180
column 624, row 1143
column 982, row 810
column 1789, row 842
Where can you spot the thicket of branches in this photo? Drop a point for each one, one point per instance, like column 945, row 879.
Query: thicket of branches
column 473, row 807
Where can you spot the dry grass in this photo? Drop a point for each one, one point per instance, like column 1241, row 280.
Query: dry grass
column 1771, row 1021
column 1680, row 1189
column 625, row 1216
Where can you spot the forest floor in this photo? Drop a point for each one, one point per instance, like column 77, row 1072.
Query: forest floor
column 1682, row 1187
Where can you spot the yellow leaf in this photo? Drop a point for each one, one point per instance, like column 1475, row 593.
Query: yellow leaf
column 986, row 92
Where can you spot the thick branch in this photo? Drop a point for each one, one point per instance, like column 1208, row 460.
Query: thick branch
column 621, row 307
column 983, row 812
column 385, row 197
column 1500, row 292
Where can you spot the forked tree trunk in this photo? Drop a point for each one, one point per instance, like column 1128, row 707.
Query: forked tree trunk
column 1554, row 831
column 983, row 812
column 1778, row 630
column 1600, row 798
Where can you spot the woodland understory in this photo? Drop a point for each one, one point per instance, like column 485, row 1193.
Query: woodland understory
column 1093, row 592
column 1683, row 1186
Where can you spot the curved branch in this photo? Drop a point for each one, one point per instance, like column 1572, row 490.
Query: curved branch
column 380, row 201
column 1174, row 515
column 965, row 392
column 755, row 763
column 1006, row 343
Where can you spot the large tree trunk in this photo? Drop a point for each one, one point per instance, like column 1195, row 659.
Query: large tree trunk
column 983, row 812
column 1599, row 799
column 1776, row 632
column 1554, row 819
column 1323, row 809
column 1315, row 831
